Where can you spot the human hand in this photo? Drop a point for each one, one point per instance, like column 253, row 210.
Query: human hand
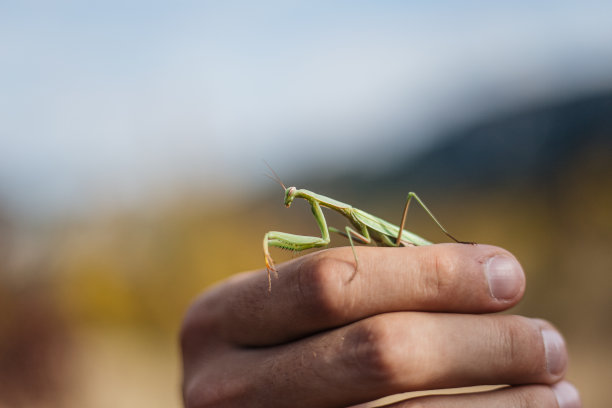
column 412, row 319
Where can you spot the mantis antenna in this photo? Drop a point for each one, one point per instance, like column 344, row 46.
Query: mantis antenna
column 275, row 176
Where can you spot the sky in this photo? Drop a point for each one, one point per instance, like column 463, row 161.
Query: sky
column 113, row 101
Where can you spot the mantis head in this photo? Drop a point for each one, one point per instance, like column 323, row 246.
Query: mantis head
column 290, row 194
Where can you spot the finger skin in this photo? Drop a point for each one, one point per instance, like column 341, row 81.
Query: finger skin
column 378, row 356
column 315, row 293
column 526, row 396
column 321, row 339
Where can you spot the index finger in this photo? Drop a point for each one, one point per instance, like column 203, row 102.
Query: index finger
column 315, row 293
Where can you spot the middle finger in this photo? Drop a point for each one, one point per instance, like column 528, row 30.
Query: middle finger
column 408, row 351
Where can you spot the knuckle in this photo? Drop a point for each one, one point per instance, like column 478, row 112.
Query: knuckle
column 374, row 350
column 320, row 287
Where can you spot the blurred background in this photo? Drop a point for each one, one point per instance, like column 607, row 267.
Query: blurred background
column 131, row 178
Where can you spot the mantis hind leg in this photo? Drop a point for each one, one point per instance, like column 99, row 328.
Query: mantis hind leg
column 412, row 195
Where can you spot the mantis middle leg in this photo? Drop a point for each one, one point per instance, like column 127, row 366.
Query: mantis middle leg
column 350, row 234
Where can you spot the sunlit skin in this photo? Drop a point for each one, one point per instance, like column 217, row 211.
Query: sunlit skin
column 412, row 319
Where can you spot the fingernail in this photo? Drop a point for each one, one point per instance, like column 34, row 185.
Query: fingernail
column 505, row 277
column 554, row 346
column 567, row 395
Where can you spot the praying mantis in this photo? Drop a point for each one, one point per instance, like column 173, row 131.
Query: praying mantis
column 370, row 228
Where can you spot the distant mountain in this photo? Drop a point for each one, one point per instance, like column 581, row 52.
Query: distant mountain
column 522, row 148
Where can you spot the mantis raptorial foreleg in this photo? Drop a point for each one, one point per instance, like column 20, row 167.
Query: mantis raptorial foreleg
column 412, row 195
column 295, row 242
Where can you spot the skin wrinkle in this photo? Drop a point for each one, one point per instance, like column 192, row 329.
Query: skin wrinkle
column 368, row 281
column 508, row 339
column 437, row 276
column 345, row 306
column 432, row 280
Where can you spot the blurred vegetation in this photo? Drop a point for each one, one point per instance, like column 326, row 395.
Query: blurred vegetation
column 133, row 273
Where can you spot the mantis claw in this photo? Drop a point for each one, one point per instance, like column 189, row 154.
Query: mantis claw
column 270, row 267
column 269, row 263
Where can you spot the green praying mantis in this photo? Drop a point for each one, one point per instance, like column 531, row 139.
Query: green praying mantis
column 370, row 228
